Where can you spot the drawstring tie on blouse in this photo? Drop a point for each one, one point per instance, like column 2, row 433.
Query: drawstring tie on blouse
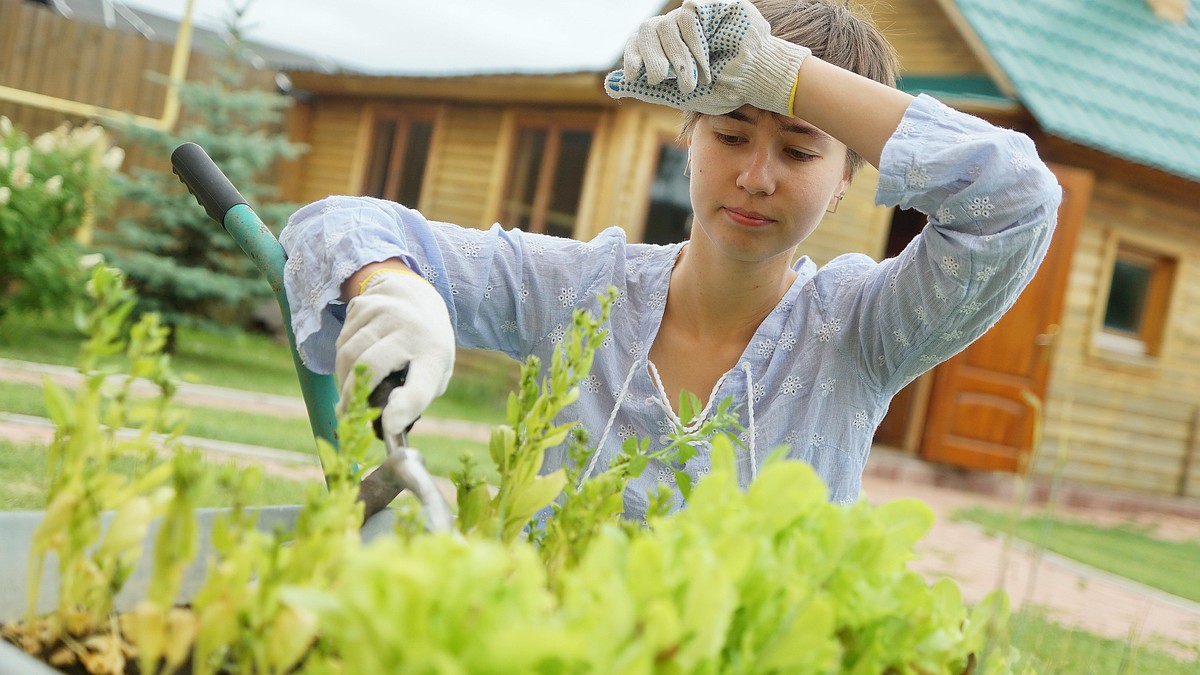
column 750, row 446
column 611, row 418
column 671, row 415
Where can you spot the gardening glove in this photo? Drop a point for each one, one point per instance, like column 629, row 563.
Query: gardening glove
column 399, row 327
column 711, row 57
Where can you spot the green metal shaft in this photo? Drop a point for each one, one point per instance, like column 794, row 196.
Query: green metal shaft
column 319, row 391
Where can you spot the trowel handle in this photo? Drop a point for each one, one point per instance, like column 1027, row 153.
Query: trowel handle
column 205, row 181
column 224, row 204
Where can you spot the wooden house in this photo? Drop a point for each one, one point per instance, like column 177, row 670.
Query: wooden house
column 1107, row 339
column 1104, row 347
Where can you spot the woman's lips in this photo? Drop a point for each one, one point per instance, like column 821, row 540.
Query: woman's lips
column 747, row 218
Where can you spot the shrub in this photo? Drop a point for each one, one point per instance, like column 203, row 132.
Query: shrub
column 50, row 187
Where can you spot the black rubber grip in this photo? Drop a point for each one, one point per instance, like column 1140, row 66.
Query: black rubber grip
column 379, row 396
column 205, row 181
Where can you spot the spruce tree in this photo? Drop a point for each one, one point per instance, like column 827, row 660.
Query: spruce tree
column 182, row 264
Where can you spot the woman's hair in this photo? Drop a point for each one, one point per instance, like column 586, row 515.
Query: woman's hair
column 835, row 34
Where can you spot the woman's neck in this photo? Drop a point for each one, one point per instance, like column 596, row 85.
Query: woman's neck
column 717, row 300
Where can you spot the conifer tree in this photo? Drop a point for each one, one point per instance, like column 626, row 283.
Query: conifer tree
column 182, row 264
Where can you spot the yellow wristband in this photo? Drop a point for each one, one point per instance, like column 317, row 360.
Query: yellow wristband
column 792, row 96
column 362, row 286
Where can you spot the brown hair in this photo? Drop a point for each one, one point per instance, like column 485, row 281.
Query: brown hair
column 836, row 34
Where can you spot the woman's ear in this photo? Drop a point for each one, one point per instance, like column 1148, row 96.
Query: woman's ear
column 842, row 186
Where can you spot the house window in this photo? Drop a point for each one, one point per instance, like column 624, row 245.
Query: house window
column 399, row 154
column 1135, row 311
column 669, row 218
column 545, row 179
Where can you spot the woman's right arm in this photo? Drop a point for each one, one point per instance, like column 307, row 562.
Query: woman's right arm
column 505, row 290
column 329, row 244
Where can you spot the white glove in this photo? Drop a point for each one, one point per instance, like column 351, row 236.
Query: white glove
column 399, row 321
column 711, row 57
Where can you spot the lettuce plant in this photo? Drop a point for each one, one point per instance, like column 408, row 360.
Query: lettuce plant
column 769, row 579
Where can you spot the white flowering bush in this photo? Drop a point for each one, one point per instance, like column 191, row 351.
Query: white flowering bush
column 50, row 186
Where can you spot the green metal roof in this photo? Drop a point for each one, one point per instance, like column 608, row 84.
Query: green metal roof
column 956, row 88
column 1106, row 74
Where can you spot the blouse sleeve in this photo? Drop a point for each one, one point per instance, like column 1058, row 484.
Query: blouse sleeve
column 505, row 289
column 991, row 205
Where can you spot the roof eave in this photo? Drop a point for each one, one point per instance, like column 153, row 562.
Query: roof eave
column 978, row 48
column 576, row 88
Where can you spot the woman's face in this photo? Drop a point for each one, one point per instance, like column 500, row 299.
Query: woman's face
column 761, row 182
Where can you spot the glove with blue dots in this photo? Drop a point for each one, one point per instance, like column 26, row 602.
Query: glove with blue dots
column 711, row 57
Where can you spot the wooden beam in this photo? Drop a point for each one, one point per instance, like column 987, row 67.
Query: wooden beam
column 1189, row 453
column 1116, row 169
column 559, row 89
column 977, row 46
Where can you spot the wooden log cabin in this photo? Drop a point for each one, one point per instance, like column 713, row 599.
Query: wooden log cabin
column 1099, row 360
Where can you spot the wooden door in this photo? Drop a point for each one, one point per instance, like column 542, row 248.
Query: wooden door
column 977, row 416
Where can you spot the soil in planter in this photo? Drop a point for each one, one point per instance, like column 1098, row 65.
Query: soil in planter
column 97, row 653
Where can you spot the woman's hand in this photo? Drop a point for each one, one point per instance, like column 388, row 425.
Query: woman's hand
column 397, row 323
column 711, row 57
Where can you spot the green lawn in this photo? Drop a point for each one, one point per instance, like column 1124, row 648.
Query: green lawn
column 23, row 482
column 1053, row 649
column 239, row 360
column 1133, row 553
column 478, row 391
column 442, row 454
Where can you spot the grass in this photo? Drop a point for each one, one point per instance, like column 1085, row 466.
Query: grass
column 1171, row 566
column 238, row 360
column 1053, row 649
column 442, row 454
column 24, row 486
column 260, row 363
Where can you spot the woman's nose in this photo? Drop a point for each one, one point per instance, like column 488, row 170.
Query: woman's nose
column 758, row 175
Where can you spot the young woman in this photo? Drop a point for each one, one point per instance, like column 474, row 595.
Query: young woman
column 784, row 99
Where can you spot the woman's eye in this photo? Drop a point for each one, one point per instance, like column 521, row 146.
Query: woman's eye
column 800, row 155
column 728, row 139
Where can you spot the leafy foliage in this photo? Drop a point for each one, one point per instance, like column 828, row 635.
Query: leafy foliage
column 185, row 266
column 50, row 186
column 769, row 579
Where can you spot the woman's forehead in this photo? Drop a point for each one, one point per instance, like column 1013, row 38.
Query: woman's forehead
column 748, row 114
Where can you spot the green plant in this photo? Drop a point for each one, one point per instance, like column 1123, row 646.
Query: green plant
column 93, row 566
column 50, row 187
column 771, row 578
column 186, row 267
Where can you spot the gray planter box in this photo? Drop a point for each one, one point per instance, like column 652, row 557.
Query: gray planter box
column 16, row 533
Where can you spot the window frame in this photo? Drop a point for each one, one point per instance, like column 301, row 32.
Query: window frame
column 553, row 124
column 404, row 117
column 1145, row 346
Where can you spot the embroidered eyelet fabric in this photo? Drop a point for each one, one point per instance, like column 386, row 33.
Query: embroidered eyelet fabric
column 819, row 373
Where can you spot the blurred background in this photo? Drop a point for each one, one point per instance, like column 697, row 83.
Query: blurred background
column 476, row 112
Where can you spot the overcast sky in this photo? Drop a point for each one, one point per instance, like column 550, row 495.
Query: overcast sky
column 437, row 36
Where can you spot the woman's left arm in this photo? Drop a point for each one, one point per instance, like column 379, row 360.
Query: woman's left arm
column 856, row 110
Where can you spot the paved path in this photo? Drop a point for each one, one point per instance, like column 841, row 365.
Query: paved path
column 1073, row 594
